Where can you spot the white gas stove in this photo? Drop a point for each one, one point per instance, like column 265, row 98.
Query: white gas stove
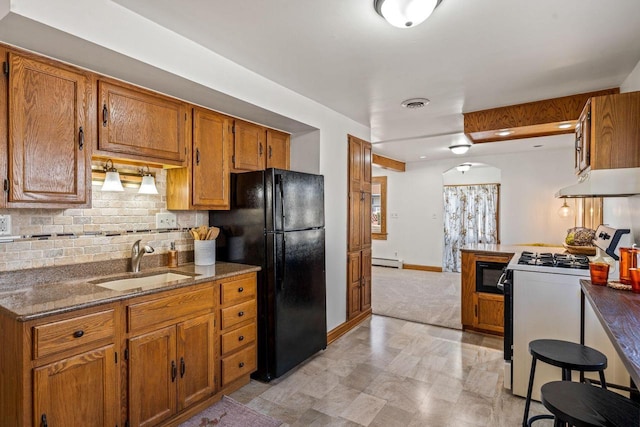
column 543, row 301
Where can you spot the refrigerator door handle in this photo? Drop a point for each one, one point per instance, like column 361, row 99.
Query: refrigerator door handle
column 281, row 187
column 284, row 260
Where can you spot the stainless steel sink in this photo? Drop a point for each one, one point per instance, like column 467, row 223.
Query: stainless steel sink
column 143, row 282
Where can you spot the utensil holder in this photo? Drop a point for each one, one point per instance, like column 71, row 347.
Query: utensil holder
column 204, row 252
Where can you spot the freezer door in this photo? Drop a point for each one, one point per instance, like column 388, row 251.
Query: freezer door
column 294, row 200
column 300, row 302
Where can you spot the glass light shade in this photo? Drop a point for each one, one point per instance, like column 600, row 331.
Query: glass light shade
column 112, row 182
column 565, row 210
column 459, row 148
column 463, row 167
column 148, row 185
column 407, row 13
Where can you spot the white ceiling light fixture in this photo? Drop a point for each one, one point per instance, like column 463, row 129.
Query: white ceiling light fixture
column 405, row 13
column 463, row 167
column 504, row 132
column 460, row 147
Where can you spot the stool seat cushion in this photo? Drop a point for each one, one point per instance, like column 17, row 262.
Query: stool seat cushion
column 568, row 355
column 584, row 405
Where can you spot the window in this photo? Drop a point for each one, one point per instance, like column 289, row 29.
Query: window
column 379, row 207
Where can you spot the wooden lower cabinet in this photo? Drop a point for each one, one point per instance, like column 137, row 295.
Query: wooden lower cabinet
column 489, row 312
column 359, row 283
column 170, row 369
column 77, row 391
column 238, row 328
column 481, row 311
column 153, row 360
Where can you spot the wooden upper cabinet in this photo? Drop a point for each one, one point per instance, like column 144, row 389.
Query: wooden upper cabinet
column 49, row 134
column 257, row 148
column 359, row 236
column 609, row 133
column 139, row 124
column 277, row 149
column 210, row 160
column 248, row 146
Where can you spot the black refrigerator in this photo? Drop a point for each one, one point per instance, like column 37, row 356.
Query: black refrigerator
column 276, row 221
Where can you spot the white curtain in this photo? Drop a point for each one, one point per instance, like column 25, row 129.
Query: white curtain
column 470, row 216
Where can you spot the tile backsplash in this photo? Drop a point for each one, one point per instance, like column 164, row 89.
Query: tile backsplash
column 104, row 232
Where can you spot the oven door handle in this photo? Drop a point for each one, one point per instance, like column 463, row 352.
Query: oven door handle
column 500, row 284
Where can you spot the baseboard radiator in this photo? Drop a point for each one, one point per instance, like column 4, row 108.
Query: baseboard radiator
column 387, row 262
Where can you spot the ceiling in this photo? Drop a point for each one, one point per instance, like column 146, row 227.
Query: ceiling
column 468, row 56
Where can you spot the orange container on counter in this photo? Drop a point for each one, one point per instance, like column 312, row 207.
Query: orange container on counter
column 599, row 272
column 628, row 260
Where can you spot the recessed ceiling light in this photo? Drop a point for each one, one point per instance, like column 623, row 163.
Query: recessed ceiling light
column 504, row 132
column 565, row 125
column 423, row 157
column 415, row 102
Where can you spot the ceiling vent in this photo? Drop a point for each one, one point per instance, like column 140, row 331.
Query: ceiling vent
column 415, row 103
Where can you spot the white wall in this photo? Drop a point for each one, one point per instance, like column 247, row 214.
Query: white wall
column 528, row 208
column 104, row 24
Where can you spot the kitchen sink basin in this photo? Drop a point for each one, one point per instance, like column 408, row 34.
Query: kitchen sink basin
column 143, row 282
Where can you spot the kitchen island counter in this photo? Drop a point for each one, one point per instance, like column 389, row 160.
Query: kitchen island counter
column 619, row 313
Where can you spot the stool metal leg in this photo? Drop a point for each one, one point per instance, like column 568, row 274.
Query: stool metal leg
column 603, row 383
column 527, row 403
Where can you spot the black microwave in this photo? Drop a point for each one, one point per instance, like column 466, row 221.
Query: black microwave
column 487, row 276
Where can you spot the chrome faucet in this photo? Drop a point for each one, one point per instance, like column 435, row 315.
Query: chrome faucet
column 136, row 255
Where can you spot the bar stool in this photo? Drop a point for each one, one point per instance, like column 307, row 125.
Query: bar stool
column 583, row 405
column 567, row 356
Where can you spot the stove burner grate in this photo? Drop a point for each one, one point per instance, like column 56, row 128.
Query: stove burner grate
column 547, row 259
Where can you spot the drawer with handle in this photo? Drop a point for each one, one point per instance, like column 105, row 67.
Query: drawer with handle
column 239, row 364
column 237, row 290
column 65, row 334
column 238, row 338
column 238, row 313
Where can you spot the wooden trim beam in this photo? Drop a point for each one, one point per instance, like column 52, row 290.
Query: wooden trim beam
column 532, row 119
column 387, row 163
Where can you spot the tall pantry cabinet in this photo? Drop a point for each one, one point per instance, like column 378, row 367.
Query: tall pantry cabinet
column 359, row 229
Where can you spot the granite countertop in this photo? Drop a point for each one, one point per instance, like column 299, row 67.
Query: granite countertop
column 619, row 313
column 509, row 249
column 30, row 296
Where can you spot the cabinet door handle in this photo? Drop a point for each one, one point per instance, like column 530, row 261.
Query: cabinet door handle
column 80, row 138
column 174, row 371
column 240, row 314
column 183, row 367
column 241, row 365
column 240, row 289
column 197, row 156
column 241, row 338
column 43, row 420
column 105, row 115
column 270, row 151
column 260, row 150
column 78, row 334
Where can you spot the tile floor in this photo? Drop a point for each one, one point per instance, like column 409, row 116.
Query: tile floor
column 390, row 372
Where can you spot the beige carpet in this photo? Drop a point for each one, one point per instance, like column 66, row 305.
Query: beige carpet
column 419, row 296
